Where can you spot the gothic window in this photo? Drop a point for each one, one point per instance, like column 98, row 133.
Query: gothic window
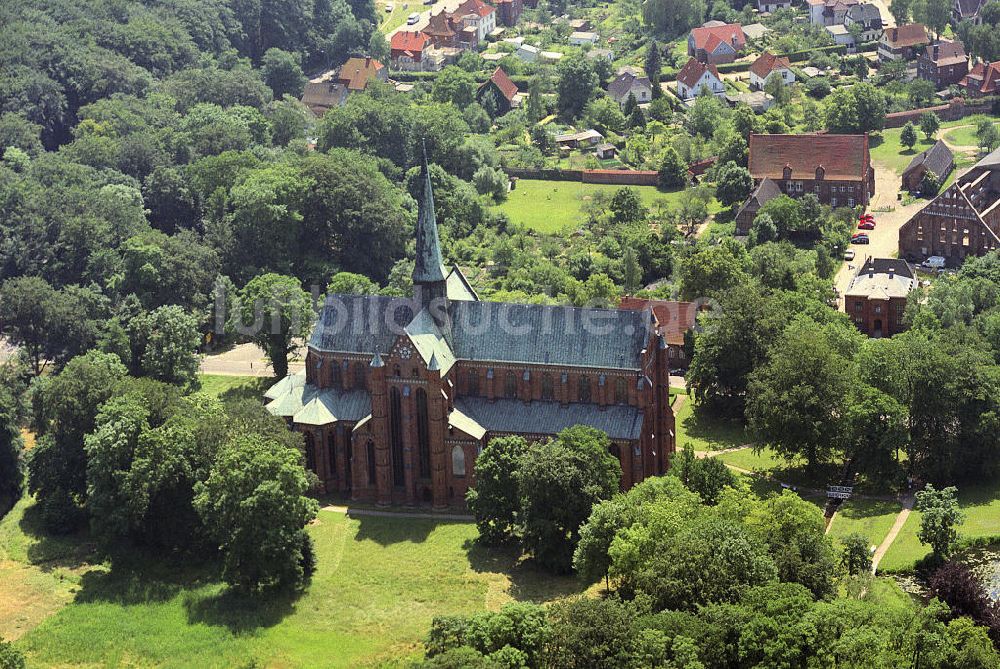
column 395, row 371
column 310, row 452
column 583, row 389
column 621, row 391
column 331, row 452
column 458, row 461
column 371, row 462
column 510, row 385
column 423, row 434
column 334, row 374
column 359, row 375
column 473, row 383
column 547, row 391
column 396, row 436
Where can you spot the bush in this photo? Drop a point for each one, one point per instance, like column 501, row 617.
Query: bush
column 11, row 657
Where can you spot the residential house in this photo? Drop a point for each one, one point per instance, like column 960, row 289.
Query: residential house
column 399, row 396
column 967, row 10
column 943, row 63
column 963, row 221
column 938, row 159
column 875, row 300
column 767, row 6
column 836, row 168
column 842, row 36
column 768, row 65
column 601, row 54
column 509, row 11
column 902, row 42
column 717, row 44
column 332, row 88
column 628, row 84
column 502, row 91
column 829, row 12
column 695, row 77
column 479, row 15
column 411, row 50
column 981, row 80
column 581, row 38
column 672, row 320
column 765, row 191
column 445, row 31
column 868, row 18
column 527, row 53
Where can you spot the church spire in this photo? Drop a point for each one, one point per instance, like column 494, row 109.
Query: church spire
column 428, row 267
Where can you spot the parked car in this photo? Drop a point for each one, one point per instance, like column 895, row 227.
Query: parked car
column 412, row 19
column 866, row 225
column 860, row 239
column 934, row 262
column 849, row 254
column 389, row 7
column 866, row 217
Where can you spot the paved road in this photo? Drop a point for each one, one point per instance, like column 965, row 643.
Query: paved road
column 350, row 511
column 245, row 360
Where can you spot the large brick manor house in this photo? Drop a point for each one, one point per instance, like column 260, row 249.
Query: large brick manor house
column 398, row 396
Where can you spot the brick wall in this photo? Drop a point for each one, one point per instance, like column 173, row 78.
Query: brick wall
column 610, row 177
column 954, row 110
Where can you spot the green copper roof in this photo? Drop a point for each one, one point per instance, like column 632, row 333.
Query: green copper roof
column 460, row 421
column 459, row 287
column 296, row 380
column 429, row 342
column 428, row 267
column 515, row 416
column 308, row 405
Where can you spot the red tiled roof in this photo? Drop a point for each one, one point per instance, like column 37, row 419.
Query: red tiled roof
column 673, row 319
column 982, row 77
column 692, row 71
column 474, row 7
column 911, row 34
column 709, row 38
column 503, row 83
column 357, row 72
column 842, row 157
column 768, row 63
column 405, row 40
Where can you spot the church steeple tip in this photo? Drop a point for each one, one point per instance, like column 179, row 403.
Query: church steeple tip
column 428, row 267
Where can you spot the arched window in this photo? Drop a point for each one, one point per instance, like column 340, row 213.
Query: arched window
column 334, row 374
column 423, row 434
column 473, row 383
column 583, row 389
column 621, row 391
column 311, row 452
column 371, row 461
column 415, row 373
column 395, row 371
column 331, row 453
column 458, row 461
column 510, row 385
column 396, row 436
column 547, row 390
column 359, row 375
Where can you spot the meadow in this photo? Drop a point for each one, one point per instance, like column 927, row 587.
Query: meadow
column 379, row 583
column 552, row 206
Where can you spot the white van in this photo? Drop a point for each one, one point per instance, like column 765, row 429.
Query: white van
column 934, row 262
column 412, row 18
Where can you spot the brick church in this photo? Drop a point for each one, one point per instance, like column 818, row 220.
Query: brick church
column 399, row 395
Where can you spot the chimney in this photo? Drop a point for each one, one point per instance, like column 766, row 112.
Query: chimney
column 937, row 48
column 892, row 272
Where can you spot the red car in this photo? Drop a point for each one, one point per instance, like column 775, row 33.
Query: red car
column 866, row 217
column 866, row 225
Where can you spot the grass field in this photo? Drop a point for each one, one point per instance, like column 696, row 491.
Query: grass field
column 379, row 583
column 234, row 387
column 551, row 206
column 965, row 136
column 892, row 153
column 870, row 517
column 981, row 505
column 397, row 17
column 705, row 433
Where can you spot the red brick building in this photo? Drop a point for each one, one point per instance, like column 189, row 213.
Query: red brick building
column 962, row 221
column 673, row 320
column 876, row 298
column 836, row 168
column 509, row 11
column 501, row 89
column 981, row 80
column 399, row 396
column 943, row 63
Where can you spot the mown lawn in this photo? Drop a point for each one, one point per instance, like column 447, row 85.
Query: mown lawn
column 892, row 153
column 981, row 505
column 706, row 433
column 235, row 387
column 551, row 206
column 871, row 517
column 965, row 136
column 379, row 583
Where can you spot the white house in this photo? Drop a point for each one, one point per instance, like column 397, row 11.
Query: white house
column 841, row 35
column 767, row 66
column 772, row 5
column 868, row 18
column 695, row 77
column 581, row 38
